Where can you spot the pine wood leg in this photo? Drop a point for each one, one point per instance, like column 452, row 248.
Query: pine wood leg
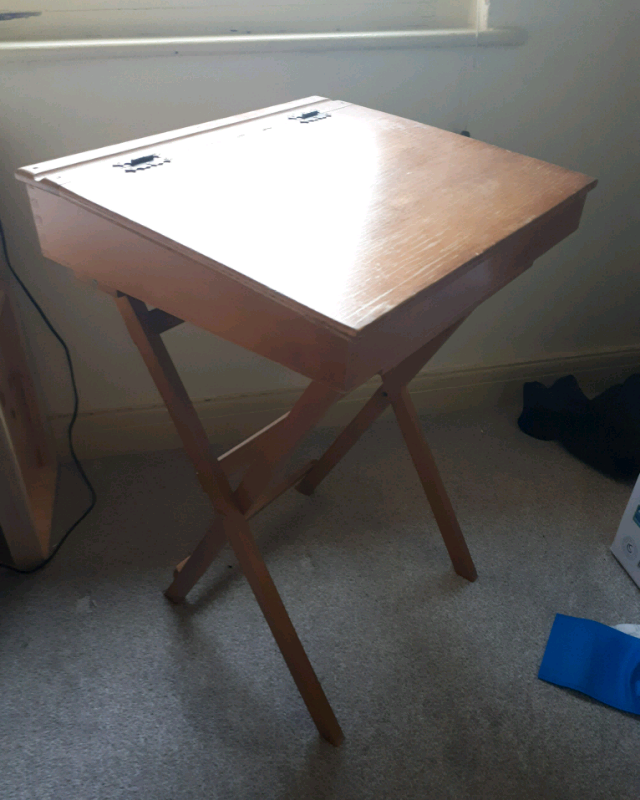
column 189, row 572
column 239, row 535
column 306, row 413
column 235, row 527
column 431, row 481
column 368, row 414
column 378, row 403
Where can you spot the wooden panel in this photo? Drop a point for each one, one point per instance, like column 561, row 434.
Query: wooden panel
column 348, row 217
column 118, row 258
column 403, row 330
column 335, row 248
column 28, row 468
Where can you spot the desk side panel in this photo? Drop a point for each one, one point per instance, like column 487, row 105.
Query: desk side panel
column 100, row 250
column 28, row 468
column 395, row 336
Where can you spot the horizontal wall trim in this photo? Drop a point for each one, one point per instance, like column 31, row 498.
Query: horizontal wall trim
column 256, row 43
column 230, row 419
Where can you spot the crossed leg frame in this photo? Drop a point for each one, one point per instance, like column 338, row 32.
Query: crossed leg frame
column 260, row 456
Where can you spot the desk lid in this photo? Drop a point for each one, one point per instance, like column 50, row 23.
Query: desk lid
column 338, row 210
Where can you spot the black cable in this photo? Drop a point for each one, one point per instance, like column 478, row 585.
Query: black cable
column 74, row 416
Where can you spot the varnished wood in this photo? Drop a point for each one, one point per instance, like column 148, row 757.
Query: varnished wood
column 171, row 389
column 399, row 181
column 28, row 467
column 243, row 454
column 367, row 415
column 179, row 568
column 251, row 562
column 268, row 496
column 394, row 391
column 234, row 525
column 235, row 529
column 306, row 413
column 431, row 481
column 341, row 248
column 373, row 408
column 420, row 224
column 405, row 371
column 139, row 267
column 187, row 574
column 191, row 569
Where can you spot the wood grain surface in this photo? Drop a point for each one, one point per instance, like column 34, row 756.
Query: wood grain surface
column 348, row 216
column 28, row 467
column 335, row 247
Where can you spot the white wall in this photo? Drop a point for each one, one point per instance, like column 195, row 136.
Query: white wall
column 568, row 96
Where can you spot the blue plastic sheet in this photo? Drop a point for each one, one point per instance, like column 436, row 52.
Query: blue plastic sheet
column 594, row 659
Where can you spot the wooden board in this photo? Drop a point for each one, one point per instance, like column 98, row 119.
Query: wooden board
column 28, row 469
column 352, row 233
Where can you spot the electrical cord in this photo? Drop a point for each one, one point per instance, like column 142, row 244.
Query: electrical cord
column 74, row 416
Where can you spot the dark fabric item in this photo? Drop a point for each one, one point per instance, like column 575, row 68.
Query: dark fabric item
column 603, row 432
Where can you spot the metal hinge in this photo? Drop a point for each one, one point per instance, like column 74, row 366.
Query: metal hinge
column 310, row 116
column 142, row 162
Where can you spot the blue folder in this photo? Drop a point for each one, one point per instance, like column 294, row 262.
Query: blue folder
column 594, row 659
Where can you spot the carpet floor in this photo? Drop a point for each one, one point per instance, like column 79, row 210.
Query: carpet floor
column 111, row 692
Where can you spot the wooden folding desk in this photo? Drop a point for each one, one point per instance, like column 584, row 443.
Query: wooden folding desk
column 336, row 240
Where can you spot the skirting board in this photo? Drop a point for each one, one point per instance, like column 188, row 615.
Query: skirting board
column 230, row 419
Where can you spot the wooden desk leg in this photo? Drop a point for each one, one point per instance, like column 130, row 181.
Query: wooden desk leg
column 368, row 414
column 431, row 481
column 189, row 571
column 309, row 409
column 194, row 567
column 234, row 525
column 402, row 373
column 239, row 535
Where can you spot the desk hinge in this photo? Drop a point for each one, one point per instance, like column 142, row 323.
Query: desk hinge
column 310, row 116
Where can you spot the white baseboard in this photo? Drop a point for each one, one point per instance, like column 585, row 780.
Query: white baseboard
column 230, row 419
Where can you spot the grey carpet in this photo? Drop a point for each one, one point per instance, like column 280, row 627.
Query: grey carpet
column 108, row 691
